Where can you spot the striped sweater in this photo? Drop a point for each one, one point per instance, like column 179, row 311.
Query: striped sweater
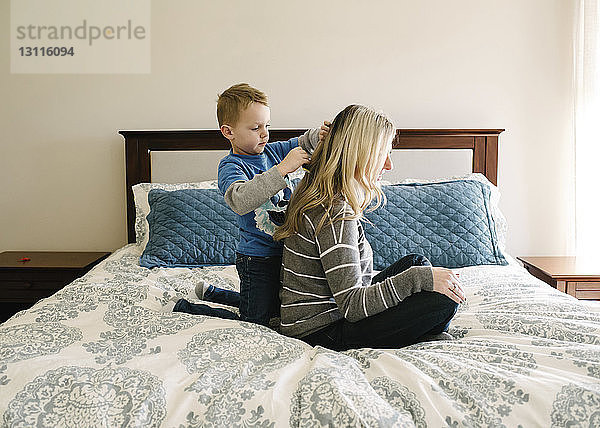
column 327, row 276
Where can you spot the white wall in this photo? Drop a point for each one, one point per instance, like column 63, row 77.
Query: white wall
column 429, row 64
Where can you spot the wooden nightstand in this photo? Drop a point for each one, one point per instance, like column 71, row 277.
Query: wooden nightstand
column 566, row 274
column 22, row 283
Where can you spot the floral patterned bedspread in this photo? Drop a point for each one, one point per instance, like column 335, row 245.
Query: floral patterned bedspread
column 106, row 351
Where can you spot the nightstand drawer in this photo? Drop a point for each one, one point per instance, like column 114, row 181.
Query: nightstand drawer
column 589, row 285
column 31, row 285
column 586, row 290
column 22, row 275
column 28, row 291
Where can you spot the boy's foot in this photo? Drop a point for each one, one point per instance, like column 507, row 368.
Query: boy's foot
column 170, row 304
column 201, row 288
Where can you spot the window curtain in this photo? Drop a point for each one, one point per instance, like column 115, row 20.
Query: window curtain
column 587, row 129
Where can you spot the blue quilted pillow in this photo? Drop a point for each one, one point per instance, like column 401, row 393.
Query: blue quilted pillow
column 191, row 227
column 450, row 223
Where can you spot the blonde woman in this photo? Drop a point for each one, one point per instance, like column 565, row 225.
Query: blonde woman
column 329, row 296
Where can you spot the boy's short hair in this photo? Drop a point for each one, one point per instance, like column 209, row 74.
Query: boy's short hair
column 236, row 99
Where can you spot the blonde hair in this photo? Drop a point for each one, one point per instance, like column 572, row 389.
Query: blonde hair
column 236, row 99
column 345, row 166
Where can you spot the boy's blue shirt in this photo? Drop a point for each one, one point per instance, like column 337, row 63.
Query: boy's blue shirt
column 257, row 227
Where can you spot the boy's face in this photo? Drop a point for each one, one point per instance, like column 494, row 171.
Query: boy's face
column 250, row 134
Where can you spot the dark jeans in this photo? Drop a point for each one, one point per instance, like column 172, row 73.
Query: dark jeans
column 259, row 287
column 258, row 299
column 420, row 314
column 222, row 296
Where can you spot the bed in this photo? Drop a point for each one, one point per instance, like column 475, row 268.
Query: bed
column 107, row 351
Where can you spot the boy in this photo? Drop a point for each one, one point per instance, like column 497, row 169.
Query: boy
column 255, row 183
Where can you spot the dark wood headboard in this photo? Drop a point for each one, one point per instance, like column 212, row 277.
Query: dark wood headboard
column 139, row 144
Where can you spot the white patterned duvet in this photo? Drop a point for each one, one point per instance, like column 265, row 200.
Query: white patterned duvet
column 105, row 351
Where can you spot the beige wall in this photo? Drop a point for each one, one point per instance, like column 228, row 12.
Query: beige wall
column 431, row 64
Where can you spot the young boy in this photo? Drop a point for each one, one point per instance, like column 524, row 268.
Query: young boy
column 255, row 183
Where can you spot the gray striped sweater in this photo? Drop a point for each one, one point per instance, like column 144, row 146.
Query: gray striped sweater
column 327, row 276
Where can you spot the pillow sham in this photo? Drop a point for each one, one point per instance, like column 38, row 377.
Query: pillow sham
column 189, row 228
column 497, row 216
column 449, row 222
column 142, row 208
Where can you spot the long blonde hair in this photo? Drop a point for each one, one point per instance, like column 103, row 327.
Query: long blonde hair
column 345, row 166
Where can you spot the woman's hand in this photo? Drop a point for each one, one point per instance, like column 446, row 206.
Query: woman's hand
column 446, row 282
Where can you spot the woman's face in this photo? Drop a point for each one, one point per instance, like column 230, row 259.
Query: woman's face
column 386, row 160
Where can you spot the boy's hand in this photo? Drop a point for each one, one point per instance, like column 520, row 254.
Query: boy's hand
column 294, row 160
column 324, row 130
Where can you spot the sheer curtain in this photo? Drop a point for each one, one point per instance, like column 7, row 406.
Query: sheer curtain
column 587, row 129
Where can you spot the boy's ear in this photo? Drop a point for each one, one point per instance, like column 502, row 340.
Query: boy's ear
column 227, row 132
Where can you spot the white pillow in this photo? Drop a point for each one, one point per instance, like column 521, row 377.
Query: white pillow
column 142, row 207
column 499, row 219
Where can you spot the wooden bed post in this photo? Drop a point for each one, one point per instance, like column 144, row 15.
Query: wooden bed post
column 137, row 170
column 491, row 158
